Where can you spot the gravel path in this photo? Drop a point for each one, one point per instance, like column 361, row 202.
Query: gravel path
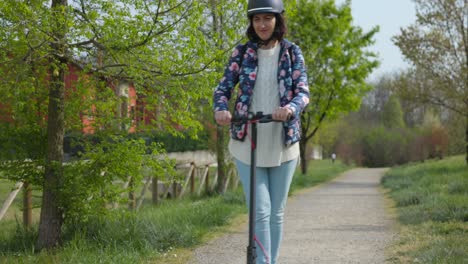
column 343, row 221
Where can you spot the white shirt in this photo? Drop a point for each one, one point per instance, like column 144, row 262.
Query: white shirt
column 271, row 150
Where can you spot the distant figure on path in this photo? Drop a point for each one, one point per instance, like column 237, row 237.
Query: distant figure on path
column 333, row 157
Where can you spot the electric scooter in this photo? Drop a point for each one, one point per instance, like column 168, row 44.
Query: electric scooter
column 253, row 119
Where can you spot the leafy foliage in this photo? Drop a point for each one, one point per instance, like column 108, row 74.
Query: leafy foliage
column 336, row 58
column 390, row 129
column 92, row 184
column 375, row 141
column 437, row 45
column 383, row 146
column 392, row 114
column 63, row 61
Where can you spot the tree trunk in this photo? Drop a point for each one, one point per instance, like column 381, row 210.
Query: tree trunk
column 51, row 214
column 27, row 205
column 221, row 159
column 304, row 161
column 220, row 131
column 51, row 219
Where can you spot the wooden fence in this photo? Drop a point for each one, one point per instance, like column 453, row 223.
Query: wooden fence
column 198, row 178
column 195, row 175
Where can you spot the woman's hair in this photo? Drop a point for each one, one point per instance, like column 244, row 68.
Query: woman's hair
column 278, row 33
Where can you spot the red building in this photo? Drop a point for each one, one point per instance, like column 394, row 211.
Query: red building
column 122, row 89
column 74, row 77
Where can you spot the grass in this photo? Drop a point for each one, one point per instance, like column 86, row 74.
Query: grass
column 319, row 171
column 432, row 204
column 155, row 234
column 124, row 237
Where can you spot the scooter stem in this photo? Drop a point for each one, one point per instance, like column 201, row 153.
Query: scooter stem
column 251, row 249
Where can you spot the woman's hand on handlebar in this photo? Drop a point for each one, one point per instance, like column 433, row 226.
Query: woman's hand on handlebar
column 223, row 118
column 282, row 114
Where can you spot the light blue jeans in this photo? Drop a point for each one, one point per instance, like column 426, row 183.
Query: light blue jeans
column 272, row 187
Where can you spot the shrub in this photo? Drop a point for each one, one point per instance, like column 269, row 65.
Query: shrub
column 385, row 147
column 95, row 181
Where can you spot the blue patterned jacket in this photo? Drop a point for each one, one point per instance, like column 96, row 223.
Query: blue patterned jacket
column 292, row 83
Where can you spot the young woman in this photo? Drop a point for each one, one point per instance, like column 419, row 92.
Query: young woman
column 272, row 78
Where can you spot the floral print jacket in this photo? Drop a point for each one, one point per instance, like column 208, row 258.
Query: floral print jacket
column 292, row 83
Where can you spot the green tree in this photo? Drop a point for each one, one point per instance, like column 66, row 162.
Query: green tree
column 337, row 61
column 392, row 114
column 404, row 85
column 328, row 135
column 224, row 17
column 437, row 45
column 147, row 43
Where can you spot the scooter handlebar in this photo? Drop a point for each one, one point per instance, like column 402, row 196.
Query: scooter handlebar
column 254, row 117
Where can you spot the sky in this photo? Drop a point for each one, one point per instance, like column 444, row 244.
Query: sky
column 390, row 16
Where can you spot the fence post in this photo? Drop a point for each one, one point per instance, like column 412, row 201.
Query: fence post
column 234, row 178
column 187, row 178
column 174, row 189
column 203, row 178
column 207, row 180
column 215, row 180
column 155, row 190
column 27, row 205
column 131, row 195
column 228, row 179
column 143, row 192
column 192, row 179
